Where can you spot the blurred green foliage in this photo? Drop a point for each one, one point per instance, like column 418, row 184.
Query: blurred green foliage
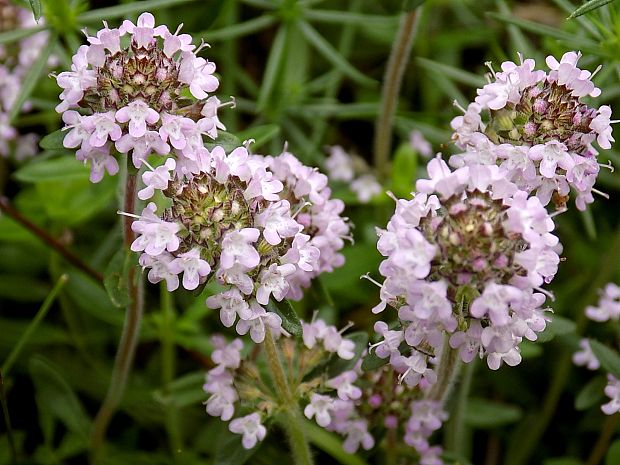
column 308, row 73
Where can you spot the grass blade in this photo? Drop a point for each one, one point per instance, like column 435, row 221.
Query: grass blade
column 542, row 29
column 453, row 73
column 119, row 11
column 31, row 78
column 45, row 306
column 348, row 17
column 333, row 56
column 35, row 6
column 274, row 62
column 16, row 34
column 589, row 6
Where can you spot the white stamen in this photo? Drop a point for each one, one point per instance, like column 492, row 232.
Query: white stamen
column 367, row 276
column 459, row 106
column 602, row 194
column 130, row 215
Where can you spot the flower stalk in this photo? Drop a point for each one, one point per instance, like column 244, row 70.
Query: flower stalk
column 131, row 329
column 392, row 82
column 291, row 418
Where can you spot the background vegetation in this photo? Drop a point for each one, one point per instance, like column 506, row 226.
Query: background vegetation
column 308, row 73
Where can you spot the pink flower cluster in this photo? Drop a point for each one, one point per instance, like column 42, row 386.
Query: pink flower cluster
column 234, row 381
column 535, row 126
column 351, row 169
column 223, row 395
column 16, row 59
column 465, row 260
column 134, row 98
column 232, row 218
column 338, row 412
column 306, row 190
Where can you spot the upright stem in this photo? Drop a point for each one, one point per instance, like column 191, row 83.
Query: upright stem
column 392, row 81
column 447, row 372
column 602, row 443
column 131, row 329
column 168, row 370
column 456, row 425
column 292, row 421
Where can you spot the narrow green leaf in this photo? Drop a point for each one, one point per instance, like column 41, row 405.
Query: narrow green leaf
column 53, row 141
column 45, row 306
column 372, row 361
column 290, row 320
column 543, row 29
column 35, row 6
column 589, row 6
column 591, row 394
column 274, row 62
column 115, row 278
column 122, row 10
column 55, row 396
column 234, row 31
column 589, row 223
column 338, row 365
column 485, row 414
column 609, row 358
column 32, row 77
column 404, row 168
column 349, row 17
column 17, row 34
column 456, row 74
column 333, row 56
column 56, row 169
column 226, row 140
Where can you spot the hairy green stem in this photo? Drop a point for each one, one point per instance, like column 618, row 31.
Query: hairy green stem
column 521, row 451
column 447, row 372
column 455, row 428
column 291, row 417
column 131, row 330
column 392, row 81
column 168, row 370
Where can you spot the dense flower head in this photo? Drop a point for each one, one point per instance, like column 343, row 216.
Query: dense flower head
column 235, row 387
column 138, row 88
column 259, row 233
column 535, row 125
column 306, row 190
column 16, row 58
column 465, row 259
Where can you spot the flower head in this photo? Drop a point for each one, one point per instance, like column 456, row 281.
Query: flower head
column 537, row 128
column 463, row 258
column 132, row 84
